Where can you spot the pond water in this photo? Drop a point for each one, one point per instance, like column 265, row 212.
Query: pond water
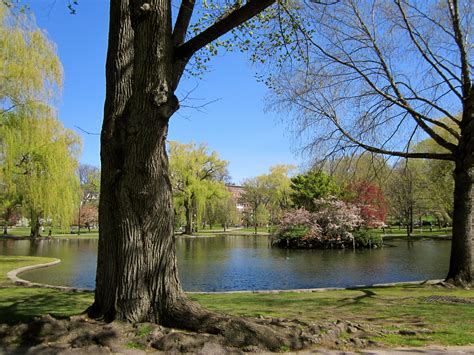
column 229, row 263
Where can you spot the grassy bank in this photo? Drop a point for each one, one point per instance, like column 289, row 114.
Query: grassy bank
column 390, row 311
column 399, row 316
column 23, row 232
column 388, row 233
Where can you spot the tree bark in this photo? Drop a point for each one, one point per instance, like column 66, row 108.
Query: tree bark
column 136, row 273
column 461, row 266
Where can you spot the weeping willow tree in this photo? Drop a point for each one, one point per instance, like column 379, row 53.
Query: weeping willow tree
column 197, row 177
column 30, row 70
column 40, row 163
column 38, row 157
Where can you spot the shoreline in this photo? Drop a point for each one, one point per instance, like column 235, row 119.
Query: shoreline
column 13, row 276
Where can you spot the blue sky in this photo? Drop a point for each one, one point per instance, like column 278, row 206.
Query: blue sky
column 235, row 125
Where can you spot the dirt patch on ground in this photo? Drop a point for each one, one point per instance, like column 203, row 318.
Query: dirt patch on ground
column 47, row 335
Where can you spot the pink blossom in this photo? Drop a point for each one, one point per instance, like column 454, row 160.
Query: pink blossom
column 333, row 220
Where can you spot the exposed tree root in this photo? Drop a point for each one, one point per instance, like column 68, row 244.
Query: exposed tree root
column 459, row 281
column 215, row 334
column 236, row 331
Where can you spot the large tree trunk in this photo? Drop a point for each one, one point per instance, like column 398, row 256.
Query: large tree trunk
column 461, row 266
column 137, row 278
column 136, row 272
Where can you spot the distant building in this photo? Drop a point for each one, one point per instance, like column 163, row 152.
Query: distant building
column 237, row 192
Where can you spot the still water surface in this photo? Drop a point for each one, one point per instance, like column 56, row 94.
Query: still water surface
column 228, row 263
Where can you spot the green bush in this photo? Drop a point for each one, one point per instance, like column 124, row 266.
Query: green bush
column 364, row 239
column 293, row 233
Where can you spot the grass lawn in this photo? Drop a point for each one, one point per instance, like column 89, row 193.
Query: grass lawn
column 56, row 232
column 233, row 230
column 389, row 232
column 385, row 310
column 425, row 231
column 21, row 304
column 391, row 308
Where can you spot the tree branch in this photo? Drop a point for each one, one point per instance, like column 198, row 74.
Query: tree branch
column 438, row 156
column 466, row 80
column 221, row 27
column 388, row 73
column 411, row 33
column 182, row 21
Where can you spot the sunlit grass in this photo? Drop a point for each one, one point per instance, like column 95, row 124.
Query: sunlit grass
column 387, row 310
column 55, row 232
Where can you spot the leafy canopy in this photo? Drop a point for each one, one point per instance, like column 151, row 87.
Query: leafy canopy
column 311, row 186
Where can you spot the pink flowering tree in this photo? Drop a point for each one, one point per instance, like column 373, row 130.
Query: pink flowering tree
column 332, row 224
column 337, row 219
column 298, row 223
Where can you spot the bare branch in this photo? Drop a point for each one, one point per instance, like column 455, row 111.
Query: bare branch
column 436, row 66
column 399, row 100
column 465, row 72
column 87, row 132
column 439, row 156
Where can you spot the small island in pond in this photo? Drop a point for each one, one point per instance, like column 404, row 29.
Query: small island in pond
column 332, row 224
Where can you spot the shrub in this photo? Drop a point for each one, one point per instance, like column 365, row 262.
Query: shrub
column 364, row 239
column 331, row 226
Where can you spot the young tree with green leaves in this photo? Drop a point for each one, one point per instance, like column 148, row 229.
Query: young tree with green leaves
column 439, row 183
column 196, row 177
column 308, row 187
column 31, row 72
column 279, row 190
column 221, row 209
column 256, row 197
column 40, row 161
column 38, row 157
column 9, row 208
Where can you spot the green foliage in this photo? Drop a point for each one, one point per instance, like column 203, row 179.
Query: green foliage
column 271, row 191
column 268, row 37
column 311, row 186
column 89, row 178
column 40, row 161
column 261, row 216
column 294, row 232
column 38, row 156
column 256, row 197
column 31, row 70
column 197, row 177
column 438, row 182
column 359, row 167
column 365, row 239
column 278, row 186
column 221, row 209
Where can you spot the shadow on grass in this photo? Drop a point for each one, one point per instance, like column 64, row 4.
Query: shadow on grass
column 366, row 294
column 24, row 304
